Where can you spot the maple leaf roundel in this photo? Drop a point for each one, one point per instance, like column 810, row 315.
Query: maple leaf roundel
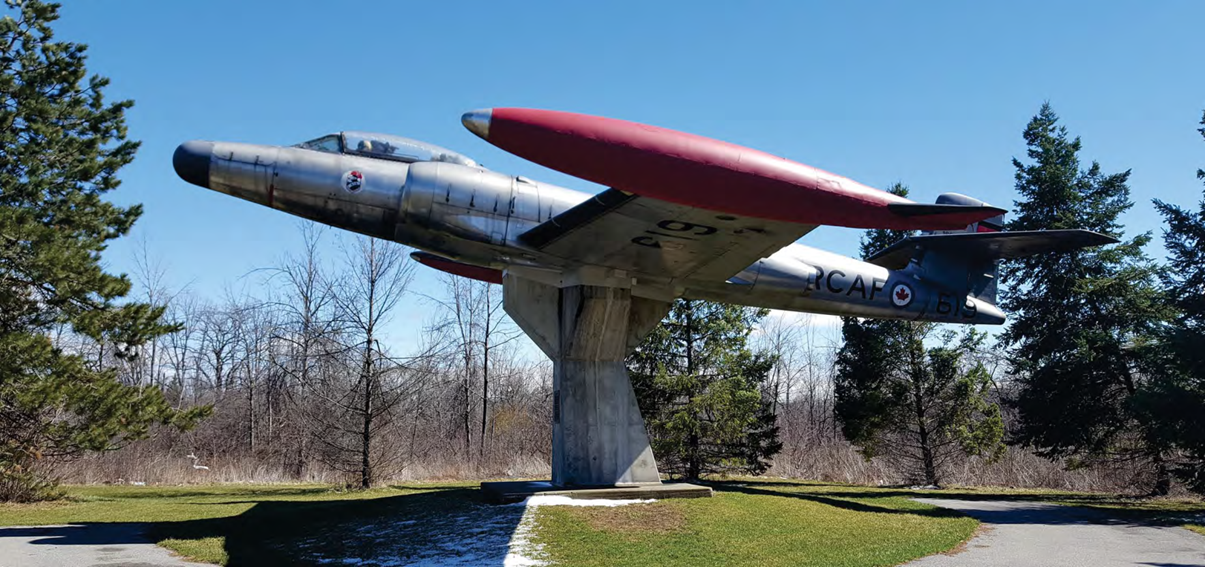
column 901, row 295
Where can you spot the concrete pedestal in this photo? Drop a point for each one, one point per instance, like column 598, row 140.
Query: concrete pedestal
column 598, row 434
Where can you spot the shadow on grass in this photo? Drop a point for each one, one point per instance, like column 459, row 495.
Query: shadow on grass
column 1047, row 508
column 420, row 487
column 452, row 526
column 858, row 491
column 837, row 500
column 961, row 495
column 1023, row 509
column 305, row 532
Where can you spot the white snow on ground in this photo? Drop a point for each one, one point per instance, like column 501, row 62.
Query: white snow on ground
column 1191, row 519
column 533, row 501
column 482, row 535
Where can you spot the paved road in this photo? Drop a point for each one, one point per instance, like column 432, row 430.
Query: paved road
column 1021, row 534
column 91, row 545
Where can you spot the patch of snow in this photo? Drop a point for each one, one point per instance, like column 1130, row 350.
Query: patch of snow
column 556, row 500
column 521, row 551
column 374, row 529
column 1190, row 519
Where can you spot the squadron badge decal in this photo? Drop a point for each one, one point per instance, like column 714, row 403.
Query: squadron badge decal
column 353, row 181
column 901, row 295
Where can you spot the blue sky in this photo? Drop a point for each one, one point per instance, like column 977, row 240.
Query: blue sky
column 933, row 94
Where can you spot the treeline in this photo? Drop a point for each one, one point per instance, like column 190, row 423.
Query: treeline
column 1100, row 365
column 297, row 395
column 304, row 386
column 293, row 388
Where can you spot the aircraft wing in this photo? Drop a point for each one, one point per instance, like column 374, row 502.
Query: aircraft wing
column 624, row 231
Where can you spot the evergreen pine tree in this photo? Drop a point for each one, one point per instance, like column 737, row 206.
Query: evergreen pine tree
column 1175, row 403
column 877, row 239
column 919, row 407
column 61, row 146
column 1079, row 320
column 699, row 386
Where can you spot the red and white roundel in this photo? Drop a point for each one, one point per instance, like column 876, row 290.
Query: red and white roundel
column 353, row 181
column 901, row 295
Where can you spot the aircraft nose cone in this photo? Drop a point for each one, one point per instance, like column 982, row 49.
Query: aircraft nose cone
column 191, row 161
column 478, row 122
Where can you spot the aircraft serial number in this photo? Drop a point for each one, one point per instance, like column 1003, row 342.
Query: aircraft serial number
column 946, row 304
column 681, row 231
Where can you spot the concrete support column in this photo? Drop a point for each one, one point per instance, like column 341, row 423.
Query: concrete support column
column 598, row 434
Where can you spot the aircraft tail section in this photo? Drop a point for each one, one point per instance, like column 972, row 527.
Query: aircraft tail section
column 969, row 259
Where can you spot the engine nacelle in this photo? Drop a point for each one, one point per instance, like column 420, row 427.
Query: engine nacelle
column 452, row 207
column 458, row 202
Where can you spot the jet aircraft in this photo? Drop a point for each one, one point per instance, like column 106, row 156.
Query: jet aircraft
column 684, row 216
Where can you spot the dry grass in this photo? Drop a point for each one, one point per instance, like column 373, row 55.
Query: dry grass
column 633, row 519
column 123, row 468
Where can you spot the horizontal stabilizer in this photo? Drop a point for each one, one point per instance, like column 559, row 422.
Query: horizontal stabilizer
column 989, row 245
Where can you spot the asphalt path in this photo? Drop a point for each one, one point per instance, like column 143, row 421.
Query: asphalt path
column 86, row 545
column 1022, row 534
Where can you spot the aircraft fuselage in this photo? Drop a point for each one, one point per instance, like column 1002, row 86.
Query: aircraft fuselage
column 457, row 210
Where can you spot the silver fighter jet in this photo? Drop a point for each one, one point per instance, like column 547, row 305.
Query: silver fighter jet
column 474, row 222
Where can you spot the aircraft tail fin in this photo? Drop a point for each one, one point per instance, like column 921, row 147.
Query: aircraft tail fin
column 969, row 259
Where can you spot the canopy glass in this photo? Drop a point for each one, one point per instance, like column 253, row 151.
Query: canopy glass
column 384, row 146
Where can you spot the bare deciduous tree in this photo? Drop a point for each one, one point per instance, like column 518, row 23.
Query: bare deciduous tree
column 376, row 276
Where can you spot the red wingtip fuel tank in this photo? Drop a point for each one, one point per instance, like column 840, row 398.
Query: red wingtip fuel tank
column 487, row 275
column 702, row 172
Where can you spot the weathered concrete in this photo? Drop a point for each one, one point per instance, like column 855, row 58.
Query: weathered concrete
column 598, row 434
column 1022, row 534
column 508, row 492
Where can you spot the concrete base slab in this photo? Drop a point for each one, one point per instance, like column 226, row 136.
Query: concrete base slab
column 507, row 492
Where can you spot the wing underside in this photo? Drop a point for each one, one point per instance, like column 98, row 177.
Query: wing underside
column 656, row 238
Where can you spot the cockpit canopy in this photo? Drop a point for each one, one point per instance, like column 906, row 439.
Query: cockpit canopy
column 384, row 146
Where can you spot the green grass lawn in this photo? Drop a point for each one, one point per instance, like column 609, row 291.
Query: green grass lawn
column 759, row 522
column 754, row 523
